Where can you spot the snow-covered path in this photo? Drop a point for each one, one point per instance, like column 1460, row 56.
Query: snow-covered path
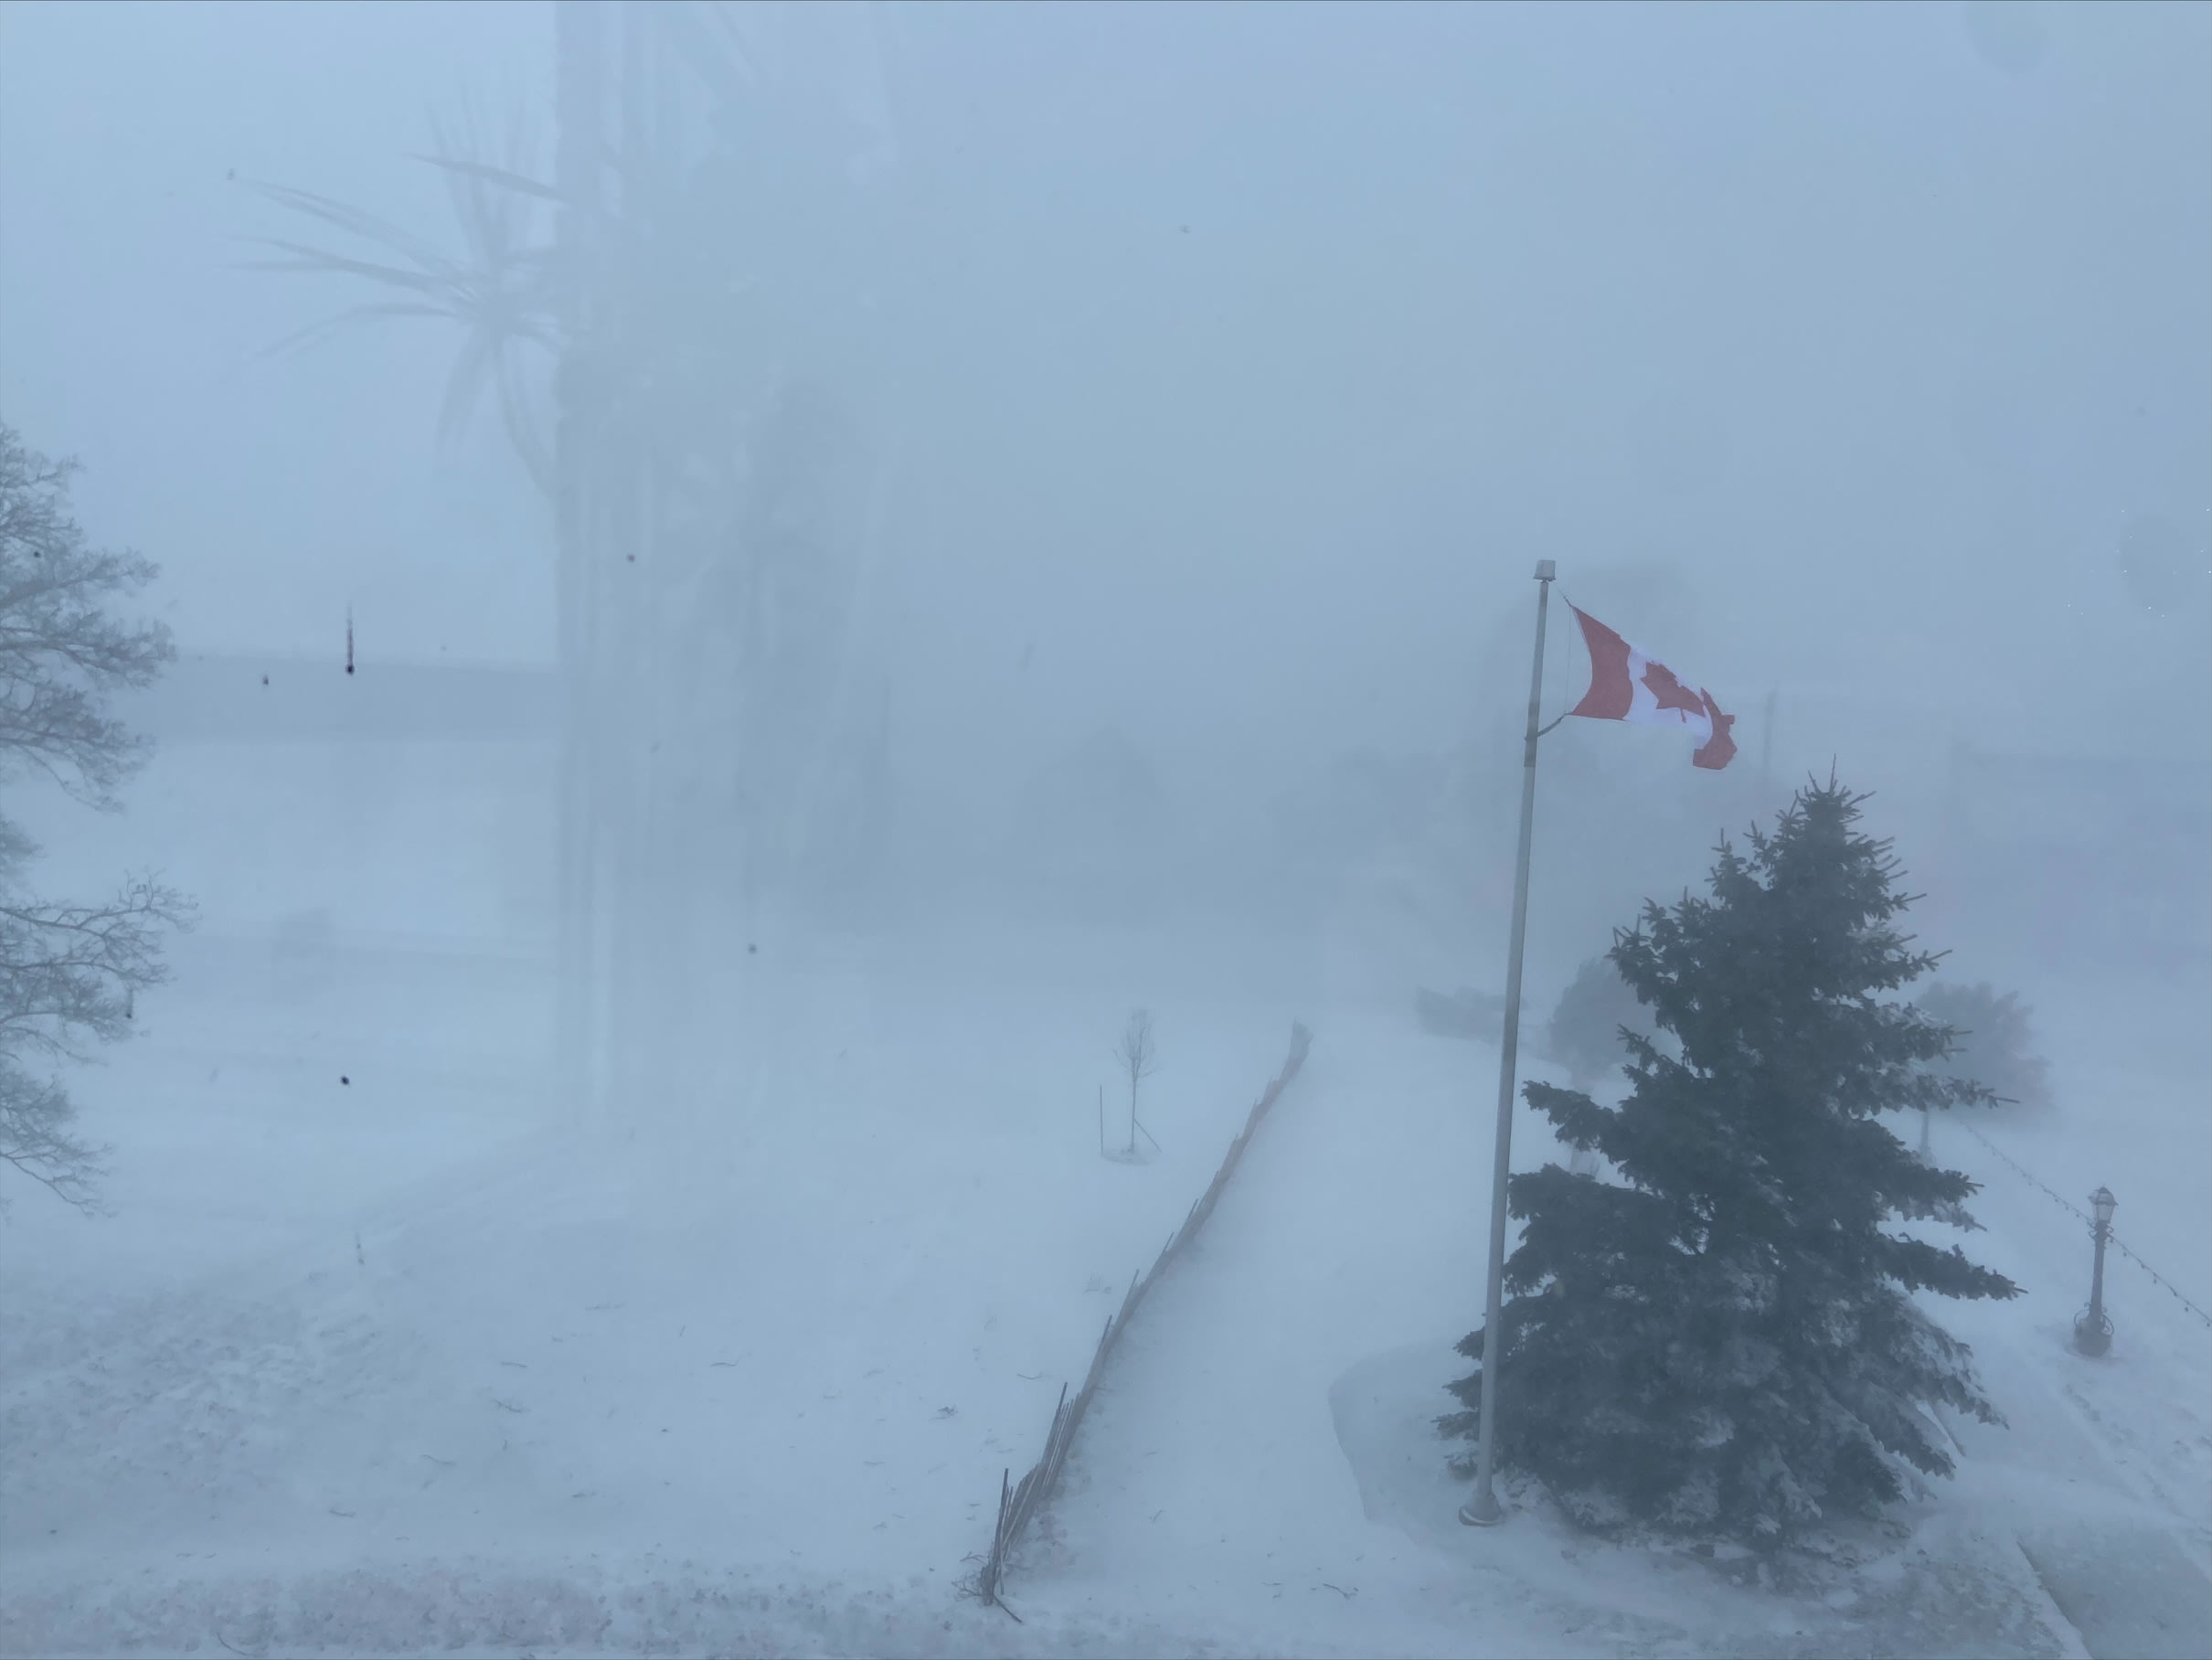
column 1209, row 1476
column 1228, row 1462
column 1262, row 1442
column 388, row 1365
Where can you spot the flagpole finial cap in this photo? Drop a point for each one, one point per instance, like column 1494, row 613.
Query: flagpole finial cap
column 1546, row 570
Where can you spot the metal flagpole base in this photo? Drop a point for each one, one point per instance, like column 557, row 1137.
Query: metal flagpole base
column 1482, row 1511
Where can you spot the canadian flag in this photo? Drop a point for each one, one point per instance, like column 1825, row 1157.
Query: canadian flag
column 1627, row 682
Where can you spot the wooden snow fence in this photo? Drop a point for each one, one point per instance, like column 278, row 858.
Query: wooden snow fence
column 1019, row 1503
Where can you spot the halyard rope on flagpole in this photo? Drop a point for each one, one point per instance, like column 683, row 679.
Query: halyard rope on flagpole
column 1574, row 652
column 2035, row 1181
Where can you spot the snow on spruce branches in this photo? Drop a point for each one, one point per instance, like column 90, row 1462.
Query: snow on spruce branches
column 1723, row 1342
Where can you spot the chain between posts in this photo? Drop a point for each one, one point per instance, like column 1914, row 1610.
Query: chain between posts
column 2114, row 1239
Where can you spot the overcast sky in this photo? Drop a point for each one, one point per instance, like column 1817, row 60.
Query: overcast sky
column 1246, row 357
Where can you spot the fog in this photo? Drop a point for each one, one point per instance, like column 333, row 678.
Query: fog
column 1034, row 514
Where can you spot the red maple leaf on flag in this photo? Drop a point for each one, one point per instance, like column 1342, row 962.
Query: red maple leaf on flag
column 1669, row 692
column 1622, row 674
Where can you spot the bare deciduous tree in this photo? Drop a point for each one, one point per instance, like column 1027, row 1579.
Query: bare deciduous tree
column 69, row 974
column 1140, row 1060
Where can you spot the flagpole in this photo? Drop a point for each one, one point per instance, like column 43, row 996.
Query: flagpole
column 1483, row 1509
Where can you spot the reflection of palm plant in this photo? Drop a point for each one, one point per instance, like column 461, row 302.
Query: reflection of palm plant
column 711, row 504
column 503, row 290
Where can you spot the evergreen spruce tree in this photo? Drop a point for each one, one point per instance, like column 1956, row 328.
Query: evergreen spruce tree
column 1726, row 1347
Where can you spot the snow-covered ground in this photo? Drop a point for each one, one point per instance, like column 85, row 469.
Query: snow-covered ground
column 378, row 1355
column 1266, row 1448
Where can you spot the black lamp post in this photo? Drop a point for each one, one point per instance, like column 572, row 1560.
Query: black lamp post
column 2092, row 1331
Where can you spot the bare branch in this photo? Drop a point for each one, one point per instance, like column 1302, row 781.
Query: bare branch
column 34, row 1139
column 61, row 648
column 1135, row 1051
column 1140, row 1060
column 70, row 972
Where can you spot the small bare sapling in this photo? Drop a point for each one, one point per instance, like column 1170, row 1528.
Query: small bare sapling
column 1140, row 1059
